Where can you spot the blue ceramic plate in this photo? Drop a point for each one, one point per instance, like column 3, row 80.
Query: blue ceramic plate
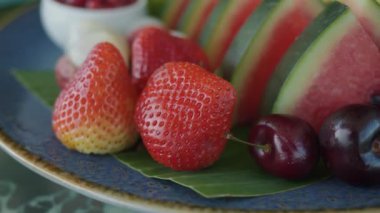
column 6, row 3
column 27, row 136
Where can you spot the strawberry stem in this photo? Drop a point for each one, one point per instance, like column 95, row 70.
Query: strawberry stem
column 265, row 148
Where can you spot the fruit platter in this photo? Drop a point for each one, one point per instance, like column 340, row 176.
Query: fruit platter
column 203, row 105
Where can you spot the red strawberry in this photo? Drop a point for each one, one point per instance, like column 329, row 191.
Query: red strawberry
column 64, row 71
column 183, row 115
column 153, row 47
column 94, row 113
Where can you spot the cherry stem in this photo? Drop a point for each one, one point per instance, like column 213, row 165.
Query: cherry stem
column 376, row 146
column 265, row 148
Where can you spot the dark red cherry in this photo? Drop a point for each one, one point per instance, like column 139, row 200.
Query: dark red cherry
column 285, row 146
column 350, row 143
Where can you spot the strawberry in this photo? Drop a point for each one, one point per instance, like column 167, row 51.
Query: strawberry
column 94, row 113
column 64, row 71
column 184, row 114
column 153, row 46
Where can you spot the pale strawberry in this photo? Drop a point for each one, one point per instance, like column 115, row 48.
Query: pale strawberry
column 64, row 71
column 184, row 114
column 94, row 113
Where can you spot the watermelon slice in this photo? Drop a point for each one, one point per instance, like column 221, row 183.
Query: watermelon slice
column 368, row 13
column 212, row 21
column 334, row 63
column 155, row 7
column 172, row 12
column 195, row 17
column 259, row 47
column 227, row 26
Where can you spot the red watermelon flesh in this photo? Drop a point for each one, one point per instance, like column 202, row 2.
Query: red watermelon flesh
column 368, row 14
column 228, row 28
column 282, row 36
column 202, row 21
column 351, row 75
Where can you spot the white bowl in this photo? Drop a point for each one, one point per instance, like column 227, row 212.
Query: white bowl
column 84, row 36
column 59, row 19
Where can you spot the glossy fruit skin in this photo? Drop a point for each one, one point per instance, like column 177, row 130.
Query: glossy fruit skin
column 94, row 113
column 183, row 116
column 76, row 3
column 97, row 4
column 293, row 146
column 152, row 47
column 375, row 98
column 64, row 71
column 347, row 138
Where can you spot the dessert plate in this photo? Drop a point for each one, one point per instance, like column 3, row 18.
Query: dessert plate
column 26, row 135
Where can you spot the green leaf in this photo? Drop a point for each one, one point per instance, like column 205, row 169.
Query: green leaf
column 41, row 83
column 235, row 174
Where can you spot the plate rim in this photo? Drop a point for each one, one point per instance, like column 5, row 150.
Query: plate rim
column 119, row 198
column 98, row 192
column 111, row 196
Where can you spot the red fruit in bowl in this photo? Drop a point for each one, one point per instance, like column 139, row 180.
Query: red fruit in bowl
column 183, row 115
column 152, row 47
column 94, row 113
column 64, row 71
column 285, row 146
column 96, row 4
column 119, row 3
column 77, row 3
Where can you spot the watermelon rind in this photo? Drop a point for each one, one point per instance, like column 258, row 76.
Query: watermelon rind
column 155, row 7
column 244, row 57
column 187, row 16
column 170, row 11
column 248, row 32
column 210, row 26
column 368, row 14
column 303, row 59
